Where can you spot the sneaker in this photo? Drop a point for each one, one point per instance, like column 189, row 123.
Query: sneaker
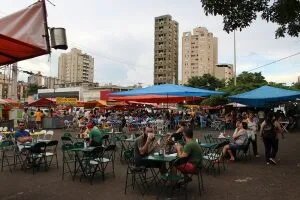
column 257, row 156
column 268, row 163
column 272, row 161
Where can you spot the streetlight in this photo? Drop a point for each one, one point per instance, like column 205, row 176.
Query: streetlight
column 234, row 57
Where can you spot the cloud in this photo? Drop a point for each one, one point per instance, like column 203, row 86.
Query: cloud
column 120, row 36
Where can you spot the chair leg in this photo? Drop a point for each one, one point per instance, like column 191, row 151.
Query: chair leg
column 199, row 186
column 56, row 161
column 126, row 181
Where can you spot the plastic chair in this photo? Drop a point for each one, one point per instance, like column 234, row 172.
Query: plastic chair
column 68, row 159
column 48, row 135
column 51, row 152
column 1, row 128
column 5, row 129
column 136, row 174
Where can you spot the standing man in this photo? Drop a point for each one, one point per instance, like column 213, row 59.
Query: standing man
column 38, row 118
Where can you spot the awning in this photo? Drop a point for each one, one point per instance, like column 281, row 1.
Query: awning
column 22, row 35
column 43, row 102
column 155, row 98
column 170, row 90
column 265, row 95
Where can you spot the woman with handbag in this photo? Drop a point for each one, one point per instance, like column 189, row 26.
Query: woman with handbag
column 268, row 133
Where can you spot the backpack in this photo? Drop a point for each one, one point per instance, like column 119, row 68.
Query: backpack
column 269, row 131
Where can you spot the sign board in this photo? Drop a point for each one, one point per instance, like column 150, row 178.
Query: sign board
column 66, row 101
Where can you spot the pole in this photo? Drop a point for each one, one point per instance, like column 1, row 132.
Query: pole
column 234, row 57
column 46, row 26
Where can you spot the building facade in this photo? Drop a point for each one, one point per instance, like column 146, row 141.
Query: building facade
column 51, row 82
column 36, row 79
column 22, row 88
column 75, row 66
column 165, row 50
column 224, row 71
column 5, row 86
column 199, row 53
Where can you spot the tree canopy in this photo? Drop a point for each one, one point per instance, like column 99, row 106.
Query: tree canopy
column 245, row 81
column 239, row 14
column 206, row 81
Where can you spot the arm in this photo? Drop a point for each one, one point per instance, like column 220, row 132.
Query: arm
column 24, row 139
column 180, row 151
column 262, row 128
column 279, row 129
column 144, row 149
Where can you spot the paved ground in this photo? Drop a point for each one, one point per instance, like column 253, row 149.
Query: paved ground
column 245, row 180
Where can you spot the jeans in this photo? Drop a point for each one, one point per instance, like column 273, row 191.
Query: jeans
column 270, row 148
column 254, row 145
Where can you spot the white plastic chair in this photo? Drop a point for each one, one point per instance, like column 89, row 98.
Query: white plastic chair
column 5, row 128
column 1, row 128
column 48, row 135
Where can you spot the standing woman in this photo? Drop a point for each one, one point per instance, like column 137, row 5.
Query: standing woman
column 252, row 129
column 269, row 135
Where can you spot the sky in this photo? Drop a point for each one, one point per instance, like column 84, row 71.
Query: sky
column 120, row 36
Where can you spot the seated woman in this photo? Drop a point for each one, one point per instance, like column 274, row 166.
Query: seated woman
column 239, row 136
column 178, row 135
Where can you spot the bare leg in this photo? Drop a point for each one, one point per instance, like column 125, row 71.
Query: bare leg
column 231, row 154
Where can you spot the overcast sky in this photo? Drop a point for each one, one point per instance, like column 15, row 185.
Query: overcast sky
column 120, row 36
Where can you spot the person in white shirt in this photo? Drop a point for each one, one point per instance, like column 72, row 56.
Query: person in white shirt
column 252, row 132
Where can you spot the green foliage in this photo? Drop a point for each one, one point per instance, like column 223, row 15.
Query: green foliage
column 206, row 81
column 238, row 15
column 215, row 101
column 245, row 81
column 33, row 89
column 296, row 86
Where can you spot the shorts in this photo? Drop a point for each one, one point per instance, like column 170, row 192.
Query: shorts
column 188, row 168
column 233, row 146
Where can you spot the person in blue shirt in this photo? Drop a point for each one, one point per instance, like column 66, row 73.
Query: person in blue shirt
column 21, row 135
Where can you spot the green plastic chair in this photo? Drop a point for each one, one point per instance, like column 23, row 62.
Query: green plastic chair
column 68, row 159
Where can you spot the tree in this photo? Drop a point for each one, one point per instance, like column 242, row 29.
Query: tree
column 33, row 89
column 245, row 82
column 215, row 101
column 296, row 86
column 239, row 14
column 206, row 81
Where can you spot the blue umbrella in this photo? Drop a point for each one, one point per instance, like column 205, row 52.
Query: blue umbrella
column 171, row 90
column 265, row 95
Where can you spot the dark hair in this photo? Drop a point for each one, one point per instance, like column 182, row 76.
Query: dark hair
column 182, row 123
column 269, row 118
column 245, row 125
column 188, row 132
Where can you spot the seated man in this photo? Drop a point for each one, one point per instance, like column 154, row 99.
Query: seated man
column 22, row 136
column 145, row 145
column 95, row 135
column 192, row 150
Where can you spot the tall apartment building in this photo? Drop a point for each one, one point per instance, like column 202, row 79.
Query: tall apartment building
column 36, row 79
column 75, row 66
column 199, row 53
column 165, row 50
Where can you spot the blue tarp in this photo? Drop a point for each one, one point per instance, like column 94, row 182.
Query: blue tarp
column 264, row 96
column 169, row 89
